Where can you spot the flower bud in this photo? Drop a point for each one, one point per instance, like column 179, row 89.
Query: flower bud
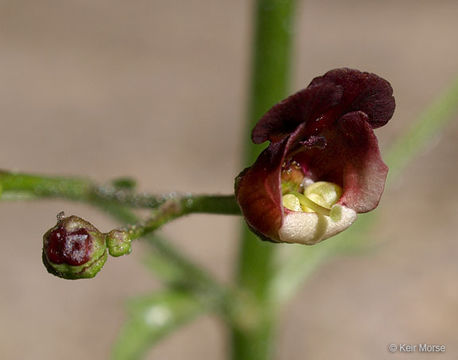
column 74, row 249
column 119, row 243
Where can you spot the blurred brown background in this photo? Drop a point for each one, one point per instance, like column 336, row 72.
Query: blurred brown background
column 157, row 90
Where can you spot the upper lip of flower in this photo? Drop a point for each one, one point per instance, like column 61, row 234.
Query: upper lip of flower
column 328, row 129
column 325, row 100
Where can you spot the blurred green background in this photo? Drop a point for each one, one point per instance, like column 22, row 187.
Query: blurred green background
column 157, row 90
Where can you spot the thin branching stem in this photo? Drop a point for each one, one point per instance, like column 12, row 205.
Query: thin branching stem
column 21, row 186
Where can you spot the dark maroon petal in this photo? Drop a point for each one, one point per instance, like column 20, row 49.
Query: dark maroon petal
column 350, row 159
column 258, row 193
column 258, row 188
column 314, row 141
column 364, row 92
column 364, row 172
column 304, row 106
column 324, row 101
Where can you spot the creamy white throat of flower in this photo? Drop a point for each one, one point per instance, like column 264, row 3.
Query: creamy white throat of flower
column 311, row 228
column 314, row 215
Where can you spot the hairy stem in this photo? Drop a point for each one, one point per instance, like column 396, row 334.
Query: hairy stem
column 19, row 186
column 192, row 277
column 179, row 206
column 252, row 338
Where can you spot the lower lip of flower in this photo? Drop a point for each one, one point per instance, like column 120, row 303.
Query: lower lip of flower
column 312, row 211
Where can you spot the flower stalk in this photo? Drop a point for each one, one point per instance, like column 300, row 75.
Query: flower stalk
column 179, row 206
column 21, row 186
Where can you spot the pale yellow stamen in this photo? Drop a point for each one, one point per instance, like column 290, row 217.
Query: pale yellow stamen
column 316, row 213
column 318, row 197
column 323, row 193
column 291, row 202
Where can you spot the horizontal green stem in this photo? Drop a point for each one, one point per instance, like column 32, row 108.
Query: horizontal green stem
column 15, row 186
column 165, row 207
column 19, row 186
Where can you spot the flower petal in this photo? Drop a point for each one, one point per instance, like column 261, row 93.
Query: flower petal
column 306, row 105
column 325, row 100
column 351, row 159
column 258, row 188
column 363, row 91
column 258, row 191
column 364, row 171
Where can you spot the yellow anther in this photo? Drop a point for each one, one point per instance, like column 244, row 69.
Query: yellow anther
column 291, row 202
column 323, row 193
column 318, row 197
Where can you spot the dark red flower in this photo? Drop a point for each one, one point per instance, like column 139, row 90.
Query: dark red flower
column 323, row 164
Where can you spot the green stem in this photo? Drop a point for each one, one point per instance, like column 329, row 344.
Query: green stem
column 183, row 205
column 14, row 186
column 253, row 339
column 190, row 276
column 19, row 186
column 29, row 186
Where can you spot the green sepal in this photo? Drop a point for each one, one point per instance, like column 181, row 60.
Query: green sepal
column 69, row 272
column 118, row 243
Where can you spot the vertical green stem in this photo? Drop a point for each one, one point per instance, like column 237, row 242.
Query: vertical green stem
column 253, row 335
